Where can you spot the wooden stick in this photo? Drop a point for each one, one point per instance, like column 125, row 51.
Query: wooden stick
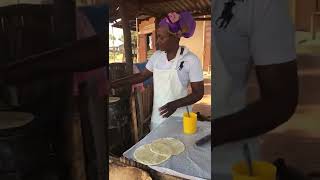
column 134, row 118
column 188, row 111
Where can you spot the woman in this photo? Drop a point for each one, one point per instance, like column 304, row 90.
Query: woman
column 173, row 68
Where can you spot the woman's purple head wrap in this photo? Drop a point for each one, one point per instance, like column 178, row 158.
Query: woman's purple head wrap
column 182, row 22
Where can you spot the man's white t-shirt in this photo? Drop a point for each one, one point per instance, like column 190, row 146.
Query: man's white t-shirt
column 260, row 33
column 191, row 70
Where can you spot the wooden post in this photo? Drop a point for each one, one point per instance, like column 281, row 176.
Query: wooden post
column 127, row 36
column 133, row 108
column 137, row 47
column 312, row 27
column 142, row 47
column 64, row 21
column 203, row 44
column 65, row 31
column 154, row 42
column 156, row 21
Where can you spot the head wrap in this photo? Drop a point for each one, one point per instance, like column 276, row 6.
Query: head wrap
column 180, row 23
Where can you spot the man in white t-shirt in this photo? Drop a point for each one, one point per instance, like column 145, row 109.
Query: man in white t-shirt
column 173, row 68
column 250, row 34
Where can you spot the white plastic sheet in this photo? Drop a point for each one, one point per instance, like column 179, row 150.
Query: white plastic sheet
column 194, row 162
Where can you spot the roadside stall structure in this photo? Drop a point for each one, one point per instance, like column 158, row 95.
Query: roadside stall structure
column 143, row 16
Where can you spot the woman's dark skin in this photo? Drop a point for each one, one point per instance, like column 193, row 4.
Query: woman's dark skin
column 170, row 44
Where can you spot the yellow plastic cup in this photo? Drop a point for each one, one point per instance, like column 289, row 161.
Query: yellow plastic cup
column 261, row 171
column 189, row 123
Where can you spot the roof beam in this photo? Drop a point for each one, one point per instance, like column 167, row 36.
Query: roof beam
column 124, row 9
column 203, row 19
column 153, row 1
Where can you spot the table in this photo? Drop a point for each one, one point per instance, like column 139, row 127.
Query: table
column 194, row 162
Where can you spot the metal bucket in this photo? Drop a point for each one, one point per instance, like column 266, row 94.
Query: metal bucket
column 23, row 149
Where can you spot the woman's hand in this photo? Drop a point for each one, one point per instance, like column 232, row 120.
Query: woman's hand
column 168, row 109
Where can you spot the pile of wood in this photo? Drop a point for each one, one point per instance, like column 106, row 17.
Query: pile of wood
column 136, row 169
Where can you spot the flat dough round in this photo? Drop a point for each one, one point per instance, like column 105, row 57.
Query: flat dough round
column 144, row 155
column 14, row 119
column 127, row 173
column 161, row 147
column 113, row 99
column 176, row 146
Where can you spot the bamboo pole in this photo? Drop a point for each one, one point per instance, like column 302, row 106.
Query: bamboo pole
column 137, row 47
column 65, row 31
column 127, row 36
column 203, row 44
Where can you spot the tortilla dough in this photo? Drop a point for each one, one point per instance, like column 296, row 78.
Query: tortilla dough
column 144, row 155
column 113, row 99
column 127, row 173
column 14, row 119
column 160, row 146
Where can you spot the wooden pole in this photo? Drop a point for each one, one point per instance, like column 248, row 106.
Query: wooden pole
column 156, row 21
column 203, row 44
column 137, row 45
column 134, row 118
column 294, row 12
column 65, row 31
column 64, row 21
column 127, row 36
column 113, row 48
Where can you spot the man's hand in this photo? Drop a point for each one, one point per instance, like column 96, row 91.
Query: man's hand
column 168, row 109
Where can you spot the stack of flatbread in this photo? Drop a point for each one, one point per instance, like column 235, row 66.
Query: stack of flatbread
column 158, row 151
column 10, row 119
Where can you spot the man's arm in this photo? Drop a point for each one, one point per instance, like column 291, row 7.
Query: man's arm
column 279, row 96
column 196, row 95
column 132, row 79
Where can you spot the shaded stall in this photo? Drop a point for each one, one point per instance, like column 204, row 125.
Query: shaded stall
column 143, row 16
